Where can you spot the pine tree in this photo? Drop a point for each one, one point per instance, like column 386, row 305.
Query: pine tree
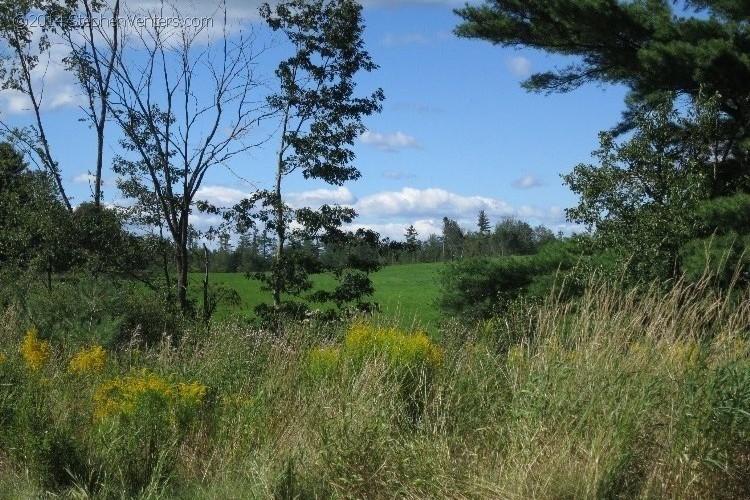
column 483, row 223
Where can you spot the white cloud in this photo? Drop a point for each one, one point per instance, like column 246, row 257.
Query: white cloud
column 432, row 202
column 527, row 181
column 519, row 66
column 88, row 179
column 396, row 230
column 225, row 196
column 54, row 87
column 318, row 197
column 83, row 179
column 389, row 142
column 220, row 195
column 390, row 212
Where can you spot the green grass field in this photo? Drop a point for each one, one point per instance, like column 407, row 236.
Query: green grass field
column 406, row 293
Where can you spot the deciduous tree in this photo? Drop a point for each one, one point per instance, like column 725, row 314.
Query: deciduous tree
column 320, row 117
column 176, row 131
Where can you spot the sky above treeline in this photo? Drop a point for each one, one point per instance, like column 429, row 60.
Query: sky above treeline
column 457, row 133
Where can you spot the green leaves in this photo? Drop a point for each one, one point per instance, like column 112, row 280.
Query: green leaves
column 320, row 118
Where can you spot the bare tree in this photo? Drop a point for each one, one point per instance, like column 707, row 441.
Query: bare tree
column 94, row 47
column 175, row 129
column 89, row 30
column 23, row 54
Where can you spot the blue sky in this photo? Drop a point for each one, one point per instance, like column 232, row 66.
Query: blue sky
column 457, row 133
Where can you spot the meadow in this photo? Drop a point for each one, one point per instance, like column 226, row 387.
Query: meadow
column 406, row 293
column 639, row 393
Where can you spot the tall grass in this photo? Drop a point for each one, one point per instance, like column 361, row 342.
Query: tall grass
column 623, row 393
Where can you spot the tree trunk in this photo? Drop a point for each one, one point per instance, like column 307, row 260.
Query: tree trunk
column 182, row 270
column 206, row 302
column 99, row 166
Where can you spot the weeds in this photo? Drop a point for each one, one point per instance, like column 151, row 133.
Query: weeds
column 621, row 394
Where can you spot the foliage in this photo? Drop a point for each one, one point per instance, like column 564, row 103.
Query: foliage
column 480, row 288
column 413, row 351
column 129, row 395
column 573, row 406
column 643, row 197
column 320, row 117
column 34, row 225
column 412, row 358
column 649, row 199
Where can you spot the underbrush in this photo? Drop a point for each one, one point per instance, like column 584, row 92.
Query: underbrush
column 620, row 394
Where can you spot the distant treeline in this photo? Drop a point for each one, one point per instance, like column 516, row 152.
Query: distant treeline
column 255, row 250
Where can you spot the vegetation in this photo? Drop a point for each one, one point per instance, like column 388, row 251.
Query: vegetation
column 501, row 362
column 320, row 117
column 640, row 393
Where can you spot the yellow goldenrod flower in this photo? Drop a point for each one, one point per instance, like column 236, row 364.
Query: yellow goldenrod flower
column 36, row 352
column 88, row 361
column 2, row 358
column 401, row 348
column 123, row 395
column 191, row 393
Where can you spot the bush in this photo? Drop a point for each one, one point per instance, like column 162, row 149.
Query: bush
column 142, row 420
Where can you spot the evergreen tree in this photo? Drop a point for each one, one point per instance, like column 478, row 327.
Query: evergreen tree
column 652, row 47
column 412, row 243
column 483, row 223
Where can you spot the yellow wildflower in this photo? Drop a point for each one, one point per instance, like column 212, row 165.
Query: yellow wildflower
column 122, row 395
column 400, row 347
column 2, row 358
column 191, row 393
column 88, row 361
column 36, row 352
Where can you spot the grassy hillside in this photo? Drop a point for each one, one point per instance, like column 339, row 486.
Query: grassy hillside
column 406, row 293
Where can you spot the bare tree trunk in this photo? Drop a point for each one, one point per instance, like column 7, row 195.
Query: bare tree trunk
column 183, row 264
column 206, row 302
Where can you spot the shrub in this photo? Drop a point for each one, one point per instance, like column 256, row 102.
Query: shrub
column 142, row 420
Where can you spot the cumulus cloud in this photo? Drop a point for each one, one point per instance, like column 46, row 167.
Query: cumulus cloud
column 226, row 196
column 54, row 87
column 318, row 197
column 519, row 66
column 389, row 142
column 432, row 202
column 390, row 212
column 88, row 179
column 84, row 179
column 396, row 230
column 527, row 181
column 220, row 195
